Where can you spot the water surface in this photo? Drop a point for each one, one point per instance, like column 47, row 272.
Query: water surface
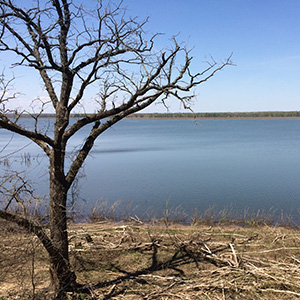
column 235, row 164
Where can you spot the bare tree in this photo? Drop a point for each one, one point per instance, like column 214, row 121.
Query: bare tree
column 75, row 48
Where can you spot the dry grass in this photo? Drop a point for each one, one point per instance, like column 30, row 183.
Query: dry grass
column 143, row 261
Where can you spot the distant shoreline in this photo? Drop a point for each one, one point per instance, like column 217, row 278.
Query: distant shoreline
column 196, row 116
column 234, row 115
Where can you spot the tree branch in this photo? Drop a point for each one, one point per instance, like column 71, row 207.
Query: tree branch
column 40, row 139
column 96, row 131
column 31, row 227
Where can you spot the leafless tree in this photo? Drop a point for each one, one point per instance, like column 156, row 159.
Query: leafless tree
column 76, row 49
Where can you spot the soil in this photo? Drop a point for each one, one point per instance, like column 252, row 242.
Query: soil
column 136, row 260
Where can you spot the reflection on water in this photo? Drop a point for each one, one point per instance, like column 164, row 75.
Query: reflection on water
column 235, row 164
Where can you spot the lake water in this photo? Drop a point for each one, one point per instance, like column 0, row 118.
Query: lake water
column 239, row 166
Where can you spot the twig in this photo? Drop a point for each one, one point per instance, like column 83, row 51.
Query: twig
column 280, row 291
column 273, row 250
column 236, row 263
column 110, row 292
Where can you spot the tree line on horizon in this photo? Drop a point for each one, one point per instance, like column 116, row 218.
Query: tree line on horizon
column 222, row 115
column 191, row 115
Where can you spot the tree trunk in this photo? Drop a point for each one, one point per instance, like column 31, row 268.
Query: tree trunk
column 63, row 279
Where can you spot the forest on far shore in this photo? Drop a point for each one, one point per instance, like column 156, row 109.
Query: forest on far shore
column 222, row 115
column 191, row 115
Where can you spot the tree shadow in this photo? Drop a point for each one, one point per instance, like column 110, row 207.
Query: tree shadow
column 182, row 256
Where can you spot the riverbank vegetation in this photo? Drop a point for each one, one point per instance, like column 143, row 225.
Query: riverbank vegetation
column 158, row 260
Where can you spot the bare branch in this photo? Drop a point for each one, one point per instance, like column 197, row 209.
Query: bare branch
column 40, row 139
column 31, row 227
column 78, row 51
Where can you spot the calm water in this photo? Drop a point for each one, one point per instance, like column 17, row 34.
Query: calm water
column 237, row 165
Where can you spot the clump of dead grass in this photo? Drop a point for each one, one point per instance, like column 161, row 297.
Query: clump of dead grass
column 145, row 261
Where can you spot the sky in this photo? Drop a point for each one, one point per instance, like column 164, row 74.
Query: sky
column 263, row 35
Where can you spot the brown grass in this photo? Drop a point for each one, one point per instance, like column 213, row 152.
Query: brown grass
column 146, row 261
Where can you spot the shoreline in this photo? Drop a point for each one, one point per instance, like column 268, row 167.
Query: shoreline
column 225, row 115
column 198, row 116
column 213, row 118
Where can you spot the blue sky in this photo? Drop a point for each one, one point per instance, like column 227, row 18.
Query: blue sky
column 264, row 36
